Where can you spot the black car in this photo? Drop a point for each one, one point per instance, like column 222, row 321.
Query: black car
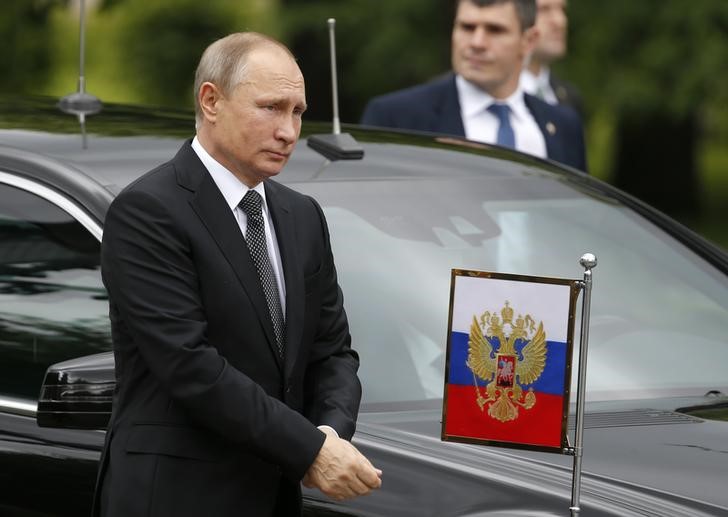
column 415, row 206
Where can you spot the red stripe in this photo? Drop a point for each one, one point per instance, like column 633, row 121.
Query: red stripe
column 540, row 425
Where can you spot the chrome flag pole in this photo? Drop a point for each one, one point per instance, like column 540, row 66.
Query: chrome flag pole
column 588, row 262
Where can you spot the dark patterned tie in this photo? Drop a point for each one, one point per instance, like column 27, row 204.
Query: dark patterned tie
column 506, row 137
column 255, row 238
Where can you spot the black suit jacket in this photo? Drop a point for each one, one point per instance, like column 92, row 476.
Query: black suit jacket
column 567, row 94
column 207, row 420
column 434, row 107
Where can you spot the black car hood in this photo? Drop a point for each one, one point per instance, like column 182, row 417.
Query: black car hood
column 639, row 456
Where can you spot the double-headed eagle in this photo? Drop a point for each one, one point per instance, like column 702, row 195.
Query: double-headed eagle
column 507, row 355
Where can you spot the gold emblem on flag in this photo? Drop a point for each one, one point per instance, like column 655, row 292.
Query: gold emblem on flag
column 507, row 355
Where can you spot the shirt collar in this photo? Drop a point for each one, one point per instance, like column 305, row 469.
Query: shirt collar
column 530, row 82
column 474, row 101
column 230, row 186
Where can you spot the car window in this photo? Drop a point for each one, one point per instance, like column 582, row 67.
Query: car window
column 659, row 312
column 53, row 305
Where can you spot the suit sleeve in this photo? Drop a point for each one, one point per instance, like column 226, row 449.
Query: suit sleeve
column 580, row 144
column 375, row 114
column 332, row 389
column 148, row 269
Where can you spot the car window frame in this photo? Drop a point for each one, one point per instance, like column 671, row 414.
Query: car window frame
column 22, row 406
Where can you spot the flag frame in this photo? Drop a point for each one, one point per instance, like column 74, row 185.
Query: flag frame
column 575, row 287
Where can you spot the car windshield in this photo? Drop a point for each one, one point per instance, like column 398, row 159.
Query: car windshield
column 659, row 316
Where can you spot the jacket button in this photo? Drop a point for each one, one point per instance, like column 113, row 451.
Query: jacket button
column 288, row 389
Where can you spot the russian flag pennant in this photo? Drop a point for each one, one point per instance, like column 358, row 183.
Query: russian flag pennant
column 508, row 368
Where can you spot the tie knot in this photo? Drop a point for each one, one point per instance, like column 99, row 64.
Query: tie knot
column 251, row 204
column 500, row 110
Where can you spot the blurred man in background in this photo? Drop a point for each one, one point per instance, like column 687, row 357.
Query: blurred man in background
column 483, row 100
column 537, row 79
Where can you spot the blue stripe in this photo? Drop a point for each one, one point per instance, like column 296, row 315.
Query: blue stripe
column 551, row 379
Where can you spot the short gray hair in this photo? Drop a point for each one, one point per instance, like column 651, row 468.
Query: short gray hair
column 224, row 62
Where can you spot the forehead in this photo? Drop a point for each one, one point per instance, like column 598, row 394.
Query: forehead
column 550, row 4
column 272, row 69
column 502, row 13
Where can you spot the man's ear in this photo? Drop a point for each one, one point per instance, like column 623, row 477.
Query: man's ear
column 529, row 40
column 209, row 96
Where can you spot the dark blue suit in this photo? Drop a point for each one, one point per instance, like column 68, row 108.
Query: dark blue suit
column 434, row 107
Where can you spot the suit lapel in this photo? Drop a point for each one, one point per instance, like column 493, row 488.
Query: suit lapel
column 283, row 223
column 548, row 127
column 210, row 206
column 448, row 113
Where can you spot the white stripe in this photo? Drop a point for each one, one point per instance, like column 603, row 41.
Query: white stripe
column 544, row 302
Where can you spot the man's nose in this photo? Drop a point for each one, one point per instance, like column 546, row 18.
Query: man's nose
column 287, row 130
column 479, row 38
column 560, row 19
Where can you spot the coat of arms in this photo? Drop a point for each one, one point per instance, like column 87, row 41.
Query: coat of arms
column 507, row 355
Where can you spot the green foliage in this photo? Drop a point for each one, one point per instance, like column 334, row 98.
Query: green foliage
column 666, row 55
column 25, row 57
column 381, row 46
column 161, row 43
column 141, row 52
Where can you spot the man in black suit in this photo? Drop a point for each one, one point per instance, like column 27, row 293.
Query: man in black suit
column 482, row 100
column 537, row 78
column 230, row 338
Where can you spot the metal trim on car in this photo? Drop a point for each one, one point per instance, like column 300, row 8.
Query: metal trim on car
column 56, row 198
column 18, row 407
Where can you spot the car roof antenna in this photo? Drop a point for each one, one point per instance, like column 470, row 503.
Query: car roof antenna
column 81, row 103
column 337, row 145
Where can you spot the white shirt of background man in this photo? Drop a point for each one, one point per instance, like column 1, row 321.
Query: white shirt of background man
column 539, row 85
column 482, row 125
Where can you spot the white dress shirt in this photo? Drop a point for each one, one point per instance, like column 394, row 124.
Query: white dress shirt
column 482, row 125
column 233, row 190
column 539, row 85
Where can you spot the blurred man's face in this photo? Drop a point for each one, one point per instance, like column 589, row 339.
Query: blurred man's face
column 552, row 24
column 489, row 46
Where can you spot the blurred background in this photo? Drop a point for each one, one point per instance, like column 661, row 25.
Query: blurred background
column 653, row 73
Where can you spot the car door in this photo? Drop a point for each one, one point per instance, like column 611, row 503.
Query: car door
column 53, row 307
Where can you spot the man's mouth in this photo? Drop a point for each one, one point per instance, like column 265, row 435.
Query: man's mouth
column 477, row 62
column 278, row 154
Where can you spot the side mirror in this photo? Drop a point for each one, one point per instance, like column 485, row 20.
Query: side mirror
column 77, row 394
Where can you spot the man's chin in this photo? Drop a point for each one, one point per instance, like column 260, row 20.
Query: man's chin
column 485, row 83
column 549, row 55
column 270, row 171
